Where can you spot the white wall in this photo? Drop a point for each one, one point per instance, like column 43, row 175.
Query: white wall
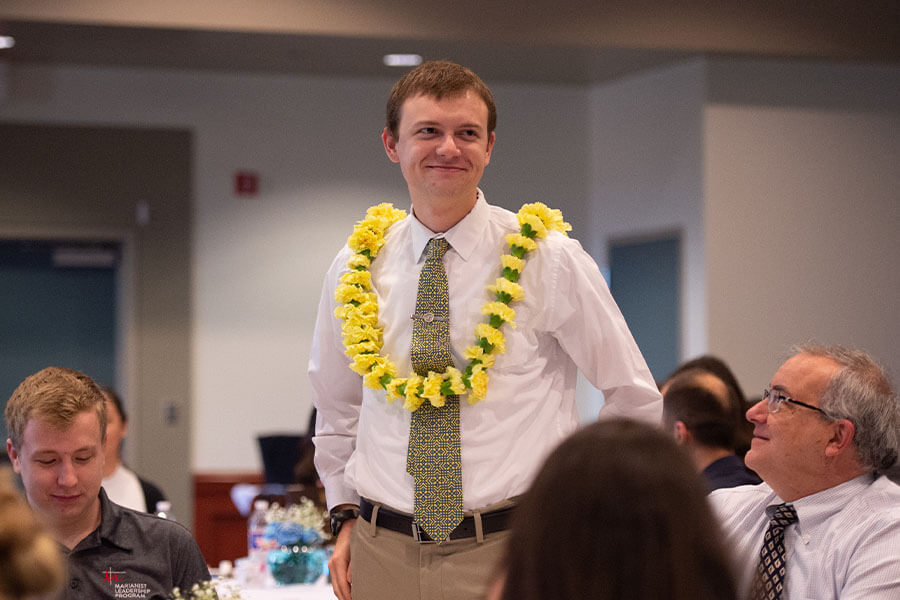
column 802, row 209
column 819, row 168
column 646, row 135
column 258, row 263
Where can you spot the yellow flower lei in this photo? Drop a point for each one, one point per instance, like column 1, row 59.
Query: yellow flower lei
column 359, row 311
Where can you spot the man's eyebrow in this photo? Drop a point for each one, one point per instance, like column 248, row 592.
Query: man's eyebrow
column 429, row 123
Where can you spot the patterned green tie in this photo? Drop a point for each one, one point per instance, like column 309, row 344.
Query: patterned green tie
column 433, row 458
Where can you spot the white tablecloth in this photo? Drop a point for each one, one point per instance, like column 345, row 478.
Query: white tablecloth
column 312, row 591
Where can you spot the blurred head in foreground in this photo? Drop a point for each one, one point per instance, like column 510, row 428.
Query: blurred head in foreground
column 617, row 511
column 30, row 562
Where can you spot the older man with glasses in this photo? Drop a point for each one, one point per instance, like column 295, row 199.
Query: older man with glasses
column 824, row 523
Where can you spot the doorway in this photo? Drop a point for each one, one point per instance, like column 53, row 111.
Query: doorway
column 645, row 277
column 58, row 306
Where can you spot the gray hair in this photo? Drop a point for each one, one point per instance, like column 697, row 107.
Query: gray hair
column 862, row 393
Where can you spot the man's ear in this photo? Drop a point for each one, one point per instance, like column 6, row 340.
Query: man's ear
column 390, row 145
column 13, row 455
column 490, row 147
column 841, row 438
column 681, row 433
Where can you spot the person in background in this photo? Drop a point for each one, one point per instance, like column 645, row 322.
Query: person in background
column 718, row 367
column 30, row 561
column 435, row 478
column 123, row 486
column 698, row 411
column 617, row 512
column 824, row 524
column 56, row 420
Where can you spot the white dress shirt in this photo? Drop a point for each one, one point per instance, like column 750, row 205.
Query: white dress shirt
column 845, row 544
column 124, row 488
column 566, row 322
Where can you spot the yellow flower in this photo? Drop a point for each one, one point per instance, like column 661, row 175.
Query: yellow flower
column 364, row 314
column 432, row 391
column 477, row 353
column 504, row 311
column 362, row 362
column 358, row 260
column 378, row 370
column 456, row 383
column 386, row 212
column 513, row 262
column 361, row 348
column 361, row 279
column 493, row 336
column 479, row 381
column 362, row 333
column 517, row 239
column 551, row 217
column 391, row 391
column 346, row 293
column 535, row 222
column 364, row 238
column 413, row 400
column 506, row 286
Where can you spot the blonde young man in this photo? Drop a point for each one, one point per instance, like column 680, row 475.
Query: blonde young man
column 824, row 523
column 440, row 129
column 56, row 420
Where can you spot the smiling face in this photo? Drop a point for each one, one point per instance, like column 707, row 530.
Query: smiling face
column 789, row 447
column 61, row 470
column 442, row 146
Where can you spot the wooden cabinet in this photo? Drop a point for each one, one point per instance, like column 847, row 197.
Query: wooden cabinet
column 220, row 530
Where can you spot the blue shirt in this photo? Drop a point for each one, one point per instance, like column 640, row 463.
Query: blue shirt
column 729, row 471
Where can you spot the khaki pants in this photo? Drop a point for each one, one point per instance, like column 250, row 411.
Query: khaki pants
column 386, row 565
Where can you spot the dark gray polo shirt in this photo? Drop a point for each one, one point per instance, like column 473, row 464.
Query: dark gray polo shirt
column 132, row 555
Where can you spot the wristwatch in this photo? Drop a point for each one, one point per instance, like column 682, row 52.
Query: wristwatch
column 339, row 516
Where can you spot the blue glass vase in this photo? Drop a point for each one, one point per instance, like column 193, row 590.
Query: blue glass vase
column 296, row 564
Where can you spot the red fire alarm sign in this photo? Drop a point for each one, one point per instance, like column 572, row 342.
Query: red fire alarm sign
column 246, row 183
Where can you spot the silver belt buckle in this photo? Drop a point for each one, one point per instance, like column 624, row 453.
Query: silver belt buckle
column 417, row 533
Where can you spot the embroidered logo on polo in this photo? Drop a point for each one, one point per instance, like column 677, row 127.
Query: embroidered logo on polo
column 122, row 588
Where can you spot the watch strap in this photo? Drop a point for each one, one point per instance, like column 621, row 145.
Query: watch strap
column 339, row 516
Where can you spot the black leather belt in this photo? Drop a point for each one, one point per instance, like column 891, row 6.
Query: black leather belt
column 491, row 522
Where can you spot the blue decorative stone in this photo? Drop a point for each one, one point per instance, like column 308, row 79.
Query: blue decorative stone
column 296, row 564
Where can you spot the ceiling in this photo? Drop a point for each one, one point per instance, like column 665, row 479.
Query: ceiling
column 531, row 41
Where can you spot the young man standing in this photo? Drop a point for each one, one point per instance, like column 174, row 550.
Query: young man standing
column 56, row 420
column 420, row 488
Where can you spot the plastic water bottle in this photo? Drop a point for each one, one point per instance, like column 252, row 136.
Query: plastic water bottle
column 164, row 510
column 257, row 549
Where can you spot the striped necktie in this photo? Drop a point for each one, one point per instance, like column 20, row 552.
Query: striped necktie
column 433, row 458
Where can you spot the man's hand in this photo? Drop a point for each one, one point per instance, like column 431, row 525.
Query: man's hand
column 339, row 564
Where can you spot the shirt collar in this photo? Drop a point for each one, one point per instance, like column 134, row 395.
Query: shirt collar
column 110, row 515
column 827, row 502
column 462, row 237
column 816, row 509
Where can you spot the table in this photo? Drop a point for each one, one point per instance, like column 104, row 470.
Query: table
column 313, row 591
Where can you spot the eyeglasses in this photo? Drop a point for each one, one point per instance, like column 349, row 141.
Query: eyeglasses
column 775, row 399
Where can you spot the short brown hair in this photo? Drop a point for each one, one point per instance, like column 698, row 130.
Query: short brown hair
column 56, row 396
column 438, row 78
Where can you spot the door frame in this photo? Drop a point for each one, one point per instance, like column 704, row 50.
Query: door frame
column 126, row 309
